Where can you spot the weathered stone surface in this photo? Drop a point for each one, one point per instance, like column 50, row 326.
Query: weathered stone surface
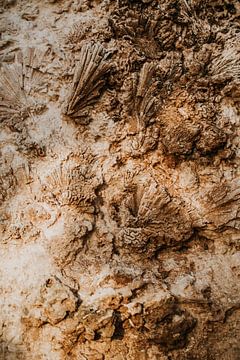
column 119, row 180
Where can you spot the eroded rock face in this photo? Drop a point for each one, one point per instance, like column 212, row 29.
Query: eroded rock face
column 119, row 183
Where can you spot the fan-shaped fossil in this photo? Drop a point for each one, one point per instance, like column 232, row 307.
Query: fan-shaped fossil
column 149, row 219
column 142, row 93
column 145, row 101
column 19, row 82
column 186, row 25
column 224, row 211
column 141, row 104
column 88, row 81
column 138, row 27
column 139, row 94
column 124, row 23
column 71, row 186
column 226, row 66
column 189, row 14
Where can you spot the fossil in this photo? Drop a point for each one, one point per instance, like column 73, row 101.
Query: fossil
column 145, row 101
column 226, row 66
column 68, row 185
column 19, row 83
column 119, row 179
column 139, row 28
column 88, row 81
column 147, row 217
column 198, row 25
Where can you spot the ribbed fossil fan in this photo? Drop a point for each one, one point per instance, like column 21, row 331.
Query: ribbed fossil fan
column 71, row 186
column 18, row 82
column 149, row 219
column 139, row 95
column 145, row 101
column 189, row 15
column 88, row 81
column 223, row 213
column 141, row 29
column 226, row 66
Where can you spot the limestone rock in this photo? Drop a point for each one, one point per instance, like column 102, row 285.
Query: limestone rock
column 119, row 180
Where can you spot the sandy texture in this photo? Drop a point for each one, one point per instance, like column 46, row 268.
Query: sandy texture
column 119, row 180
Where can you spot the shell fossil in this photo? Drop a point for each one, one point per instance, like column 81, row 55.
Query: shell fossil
column 226, row 66
column 142, row 92
column 189, row 14
column 18, row 82
column 224, row 211
column 148, row 219
column 145, row 102
column 88, row 81
column 71, row 186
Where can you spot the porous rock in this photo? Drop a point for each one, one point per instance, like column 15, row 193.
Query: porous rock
column 119, row 180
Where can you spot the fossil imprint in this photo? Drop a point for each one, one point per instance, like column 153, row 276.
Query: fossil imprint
column 88, row 81
column 18, row 82
column 149, row 218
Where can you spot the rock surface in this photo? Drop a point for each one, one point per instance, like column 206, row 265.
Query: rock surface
column 119, row 180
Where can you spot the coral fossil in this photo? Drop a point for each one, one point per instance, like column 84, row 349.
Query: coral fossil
column 141, row 103
column 142, row 92
column 150, row 219
column 189, row 14
column 115, row 236
column 223, row 212
column 226, row 66
column 145, row 101
column 18, row 82
column 88, row 81
column 141, row 29
column 71, row 186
